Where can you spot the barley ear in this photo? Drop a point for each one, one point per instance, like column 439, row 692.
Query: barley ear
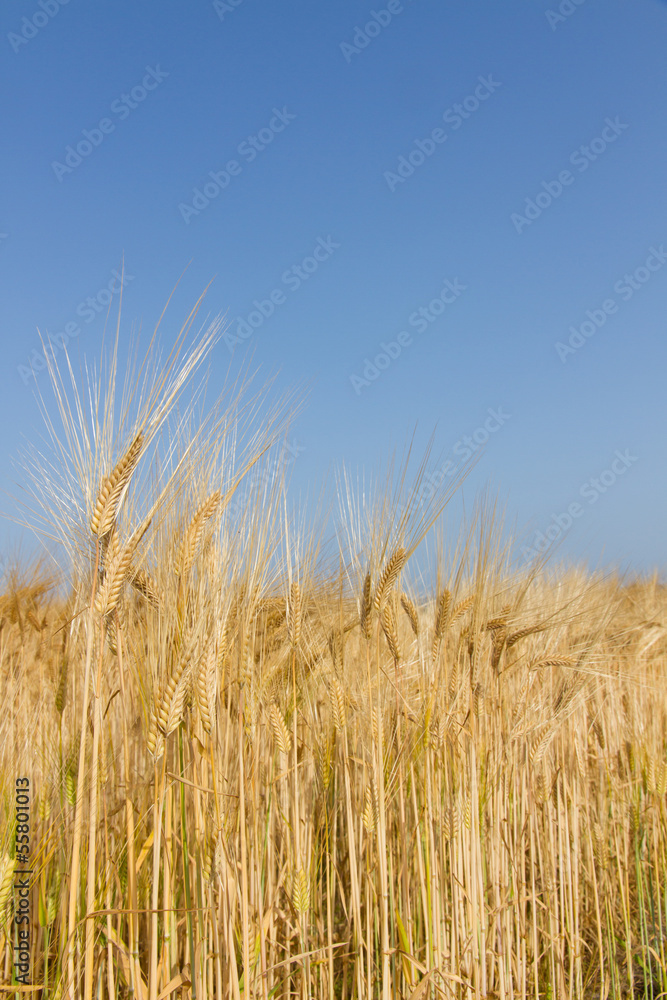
column 388, row 578
column 115, row 576
column 61, row 690
column 337, row 699
column 388, row 622
column 281, row 734
column 301, row 892
column 113, row 487
column 192, row 536
column 369, row 815
column 411, row 612
column 366, row 608
column 294, row 615
column 206, row 688
column 521, row 633
column 461, row 608
column 172, row 701
column 442, row 612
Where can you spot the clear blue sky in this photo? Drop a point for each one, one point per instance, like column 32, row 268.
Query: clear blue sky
column 335, row 194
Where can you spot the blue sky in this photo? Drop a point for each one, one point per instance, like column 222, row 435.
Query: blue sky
column 450, row 190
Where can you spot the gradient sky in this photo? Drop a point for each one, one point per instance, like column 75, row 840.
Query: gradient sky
column 336, row 110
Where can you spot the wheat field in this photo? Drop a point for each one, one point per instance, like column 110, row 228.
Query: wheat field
column 264, row 762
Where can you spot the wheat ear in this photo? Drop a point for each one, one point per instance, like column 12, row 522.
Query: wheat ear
column 337, row 699
column 281, row 734
column 522, row 633
column 388, row 578
column 172, row 702
column 440, row 622
column 461, row 608
column 113, row 486
column 366, row 608
column 388, row 622
column 193, row 534
column 294, row 615
column 206, row 687
column 116, row 574
column 411, row 612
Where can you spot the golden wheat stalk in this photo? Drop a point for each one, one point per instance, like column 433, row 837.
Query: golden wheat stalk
column 553, row 661
column 117, row 571
column 61, row 690
column 542, row 745
column 461, row 608
column 324, row 760
column 301, row 892
column 453, row 686
column 388, row 623
column 441, row 614
column 173, row 707
column 388, row 577
column 411, row 611
column 366, row 611
column 337, row 699
column 281, row 734
column 206, row 687
column 369, row 816
column 335, row 643
column 169, row 706
column 294, row 615
column 193, row 534
column 113, row 487
column 522, row 633
column 500, row 622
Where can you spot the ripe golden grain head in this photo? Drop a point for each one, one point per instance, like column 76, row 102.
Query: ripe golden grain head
column 337, row 699
column 113, row 487
column 366, row 611
column 388, row 622
column 301, row 892
column 294, row 615
column 281, row 734
column 388, row 577
column 193, row 534
column 411, row 612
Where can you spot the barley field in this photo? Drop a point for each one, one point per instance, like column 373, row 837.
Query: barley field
column 260, row 760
